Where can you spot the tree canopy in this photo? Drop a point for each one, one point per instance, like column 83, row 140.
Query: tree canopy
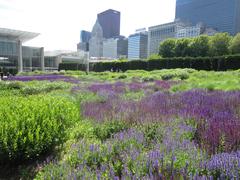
column 201, row 46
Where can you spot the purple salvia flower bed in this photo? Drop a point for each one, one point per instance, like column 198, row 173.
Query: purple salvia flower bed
column 44, row 77
column 118, row 87
column 224, row 165
column 216, row 114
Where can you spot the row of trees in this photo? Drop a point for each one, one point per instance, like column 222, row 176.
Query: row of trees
column 201, row 46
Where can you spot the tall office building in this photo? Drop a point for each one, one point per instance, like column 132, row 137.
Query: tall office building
column 157, row 34
column 110, row 22
column 222, row 15
column 137, row 46
column 85, row 37
column 194, row 31
column 96, row 41
column 176, row 29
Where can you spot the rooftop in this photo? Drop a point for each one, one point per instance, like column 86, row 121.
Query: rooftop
column 17, row 34
column 109, row 11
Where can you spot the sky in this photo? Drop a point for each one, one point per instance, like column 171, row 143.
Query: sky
column 59, row 22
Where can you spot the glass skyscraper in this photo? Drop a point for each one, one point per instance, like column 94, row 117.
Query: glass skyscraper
column 110, row 23
column 137, row 46
column 96, row 41
column 85, row 36
column 222, row 15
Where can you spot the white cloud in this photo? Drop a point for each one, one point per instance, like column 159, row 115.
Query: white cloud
column 60, row 21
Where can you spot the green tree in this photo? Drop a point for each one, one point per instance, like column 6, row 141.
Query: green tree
column 154, row 57
column 200, row 46
column 219, row 44
column 235, row 44
column 167, row 48
column 183, row 47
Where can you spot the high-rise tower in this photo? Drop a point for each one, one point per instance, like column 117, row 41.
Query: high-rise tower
column 222, row 15
column 96, row 41
column 110, row 23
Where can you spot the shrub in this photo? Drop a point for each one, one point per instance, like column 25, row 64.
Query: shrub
column 235, row 44
column 35, row 87
column 72, row 66
column 123, row 76
column 217, row 63
column 33, row 125
column 10, row 85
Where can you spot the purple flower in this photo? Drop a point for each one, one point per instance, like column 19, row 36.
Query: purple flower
column 45, row 77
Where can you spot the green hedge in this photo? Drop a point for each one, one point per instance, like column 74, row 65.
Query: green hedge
column 71, row 66
column 221, row 63
column 30, row 126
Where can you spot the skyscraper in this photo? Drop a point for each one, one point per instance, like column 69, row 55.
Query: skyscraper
column 85, row 37
column 223, row 15
column 110, row 22
column 137, row 46
column 157, row 34
column 96, row 41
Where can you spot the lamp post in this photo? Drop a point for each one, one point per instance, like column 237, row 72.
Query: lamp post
column 86, row 57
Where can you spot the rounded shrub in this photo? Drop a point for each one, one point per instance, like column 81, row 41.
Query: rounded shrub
column 30, row 126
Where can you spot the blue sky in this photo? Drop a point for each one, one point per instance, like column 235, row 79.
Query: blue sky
column 60, row 21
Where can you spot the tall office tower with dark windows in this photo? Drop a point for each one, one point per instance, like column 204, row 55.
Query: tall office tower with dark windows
column 85, row 37
column 110, row 23
column 222, row 15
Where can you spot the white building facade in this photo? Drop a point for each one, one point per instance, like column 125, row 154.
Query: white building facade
column 176, row 29
column 157, row 34
column 115, row 48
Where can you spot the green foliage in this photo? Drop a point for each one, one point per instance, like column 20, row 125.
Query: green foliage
column 182, row 47
column 5, row 85
column 210, row 80
column 219, row 44
column 103, row 131
column 36, row 87
column 154, row 56
column 72, row 66
column 218, row 63
column 167, row 48
column 33, row 87
column 108, row 129
column 33, row 125
column 235, row 44
column 200, row 46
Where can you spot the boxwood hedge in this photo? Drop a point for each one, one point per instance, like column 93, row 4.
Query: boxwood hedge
column 30, row 126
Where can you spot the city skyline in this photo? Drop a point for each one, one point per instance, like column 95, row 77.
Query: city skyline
column 60, row 23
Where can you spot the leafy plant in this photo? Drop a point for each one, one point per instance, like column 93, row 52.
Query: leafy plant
column 33, row 125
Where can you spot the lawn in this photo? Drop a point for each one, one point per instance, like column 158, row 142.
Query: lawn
column 164, row 124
